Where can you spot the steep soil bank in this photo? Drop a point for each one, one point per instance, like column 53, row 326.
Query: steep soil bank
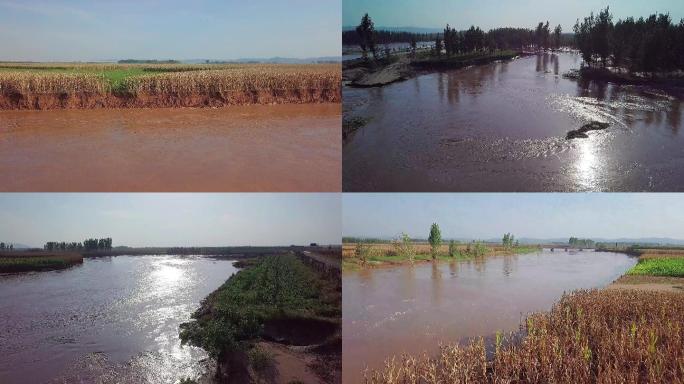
column 260, row 331
column 12, row 99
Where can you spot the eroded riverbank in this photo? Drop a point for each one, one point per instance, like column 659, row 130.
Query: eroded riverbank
column 247, row 148
column 276, row 321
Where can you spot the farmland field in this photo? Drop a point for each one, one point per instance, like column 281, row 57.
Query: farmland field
column 95, row 85
column 659, row 266
column 378, row 254
column 37, row 261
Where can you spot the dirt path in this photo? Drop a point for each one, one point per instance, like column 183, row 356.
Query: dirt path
column 289, row 365
column 649, row 283
column 328, row 260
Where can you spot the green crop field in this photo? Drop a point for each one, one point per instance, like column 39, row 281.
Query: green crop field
column 664, row 266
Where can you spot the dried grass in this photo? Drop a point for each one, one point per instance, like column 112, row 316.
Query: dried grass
column 593, row 336
column 310, row 82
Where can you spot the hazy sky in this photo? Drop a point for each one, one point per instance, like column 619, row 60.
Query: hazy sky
column 485, row 216
column 497, row 13
column 172, row 219
column 73, row 30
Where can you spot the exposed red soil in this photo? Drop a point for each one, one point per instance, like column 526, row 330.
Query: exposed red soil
column 11, row 99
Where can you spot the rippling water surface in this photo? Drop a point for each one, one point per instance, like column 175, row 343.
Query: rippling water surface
column 234, row 149
column 112, row 320
column 502, row 127
column 412, row 309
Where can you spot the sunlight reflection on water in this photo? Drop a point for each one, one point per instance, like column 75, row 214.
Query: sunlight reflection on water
column 112, row 320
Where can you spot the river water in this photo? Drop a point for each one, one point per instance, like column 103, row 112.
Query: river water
column 391, row 311
column 110, row 320
column 502, row 127
column 238, row 148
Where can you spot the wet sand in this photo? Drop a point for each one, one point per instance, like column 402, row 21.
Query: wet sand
column 649, row 283
column 293, row 148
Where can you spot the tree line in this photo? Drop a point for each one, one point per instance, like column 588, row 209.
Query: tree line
column 388, row 37
column 581, row 243
column 86, row 245
column 647, row 44
column 6, row 247
column 452, row 41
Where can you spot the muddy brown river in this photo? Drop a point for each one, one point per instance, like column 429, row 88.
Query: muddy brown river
column 390, row 311
column 502, row 127
column 110, row 320
column 239, row 148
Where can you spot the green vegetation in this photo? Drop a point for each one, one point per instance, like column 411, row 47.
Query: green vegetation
column 25, row 262
column 366, row 34
column 582, row 243
column 277, row 288
column 366, row 240
column 665, row 266
column 463, row 59
column 114, row 76
column 435, row 240
column 508, row 240
column 650, row 45
column 86, row 245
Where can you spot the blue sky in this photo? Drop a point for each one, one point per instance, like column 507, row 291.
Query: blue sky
column 169, row 219
column 496, row 13
column 73, row 30
column 485, row 216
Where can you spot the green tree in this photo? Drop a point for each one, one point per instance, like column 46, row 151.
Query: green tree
column 438, row 46
column 557, row 36
column 601, row 35
column 435, row 240
column 366, row 33
column 583, row 37
column 413, row 46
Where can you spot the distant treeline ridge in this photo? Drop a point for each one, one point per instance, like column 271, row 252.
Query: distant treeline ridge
column 86, row 245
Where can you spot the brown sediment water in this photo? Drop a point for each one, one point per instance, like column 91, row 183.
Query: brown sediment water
column 503, row 126
column 411, row 309
column 110, row 320
column 242, row 148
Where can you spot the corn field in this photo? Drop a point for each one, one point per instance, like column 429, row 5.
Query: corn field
column 597, row 336
column 313, row 82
